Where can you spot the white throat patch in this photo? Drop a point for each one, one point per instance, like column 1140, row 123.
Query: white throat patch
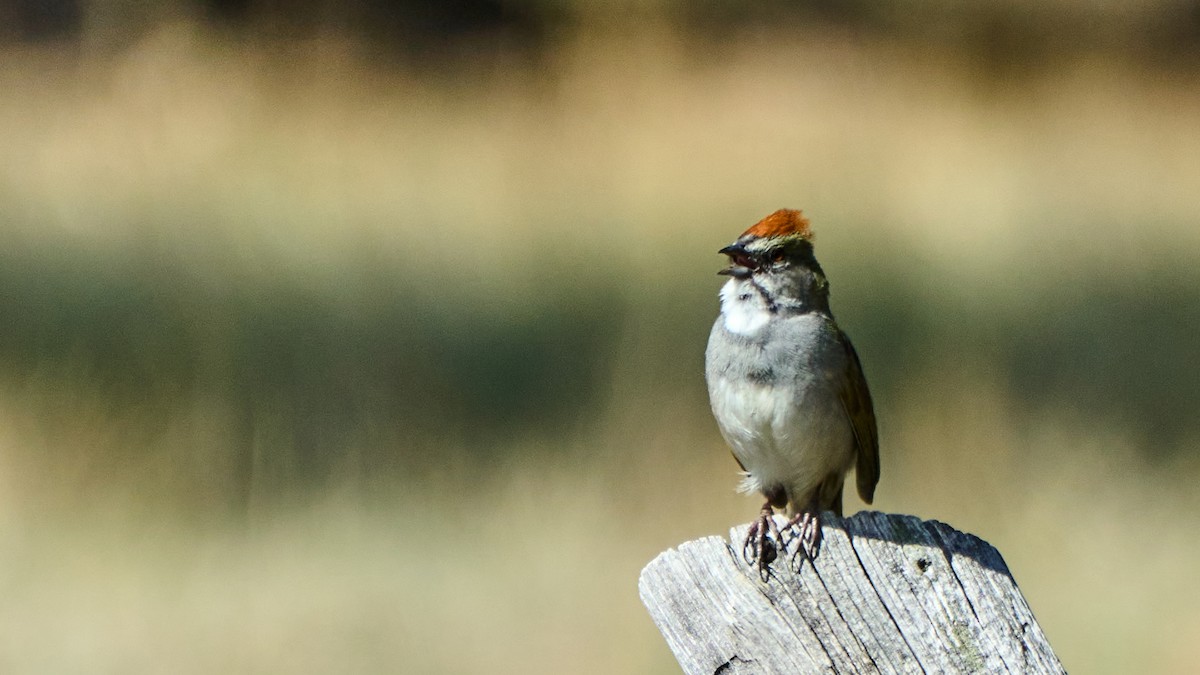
column 742, row 309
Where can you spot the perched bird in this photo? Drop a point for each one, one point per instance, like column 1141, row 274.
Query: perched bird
column 787, row 388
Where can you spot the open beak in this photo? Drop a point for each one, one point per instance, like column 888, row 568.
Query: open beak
column 741, row 264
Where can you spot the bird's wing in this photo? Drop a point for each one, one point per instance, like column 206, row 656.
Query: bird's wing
column 856, row 401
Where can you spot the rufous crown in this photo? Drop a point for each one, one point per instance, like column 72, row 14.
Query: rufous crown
column 781, row 223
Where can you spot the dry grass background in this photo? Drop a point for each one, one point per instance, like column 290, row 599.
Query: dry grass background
column 312, row 366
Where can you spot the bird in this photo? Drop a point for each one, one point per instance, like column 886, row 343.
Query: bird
column 787, row 388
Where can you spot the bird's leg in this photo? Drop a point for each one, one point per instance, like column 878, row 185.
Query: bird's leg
column 759, row 548
column 808, row 526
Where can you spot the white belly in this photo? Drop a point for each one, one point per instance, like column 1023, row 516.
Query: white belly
column 783, row 436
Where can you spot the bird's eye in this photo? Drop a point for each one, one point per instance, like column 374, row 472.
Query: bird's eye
column 778, row 256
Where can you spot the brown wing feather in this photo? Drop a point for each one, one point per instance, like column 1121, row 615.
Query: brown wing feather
column 856, row 401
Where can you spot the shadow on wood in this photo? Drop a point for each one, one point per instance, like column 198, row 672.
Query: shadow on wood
column 887, row 593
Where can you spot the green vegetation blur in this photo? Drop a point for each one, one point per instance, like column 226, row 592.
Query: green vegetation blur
column 369, row 338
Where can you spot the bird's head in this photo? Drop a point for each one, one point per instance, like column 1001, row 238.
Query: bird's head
column 775, row 256
column 774, row 244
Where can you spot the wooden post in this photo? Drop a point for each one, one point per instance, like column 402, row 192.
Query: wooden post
column 887, row 594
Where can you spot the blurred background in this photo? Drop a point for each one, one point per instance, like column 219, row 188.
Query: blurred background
column 368, row 336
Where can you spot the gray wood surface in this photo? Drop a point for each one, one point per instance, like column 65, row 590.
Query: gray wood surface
column 887, row 594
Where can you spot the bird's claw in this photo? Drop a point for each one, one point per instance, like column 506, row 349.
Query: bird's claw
column 762, row 544
column 807, row 526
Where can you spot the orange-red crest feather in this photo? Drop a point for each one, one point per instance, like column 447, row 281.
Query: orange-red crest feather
column 782, row 222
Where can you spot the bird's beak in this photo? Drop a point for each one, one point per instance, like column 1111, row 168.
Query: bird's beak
column 740, row 262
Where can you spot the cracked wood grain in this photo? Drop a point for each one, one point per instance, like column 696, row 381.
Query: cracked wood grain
column 887, row 594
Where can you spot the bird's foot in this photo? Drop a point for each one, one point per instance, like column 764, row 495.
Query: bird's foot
column 807, row 527
column 763, row 542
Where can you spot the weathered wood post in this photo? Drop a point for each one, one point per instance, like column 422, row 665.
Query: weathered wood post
column 887, row 594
